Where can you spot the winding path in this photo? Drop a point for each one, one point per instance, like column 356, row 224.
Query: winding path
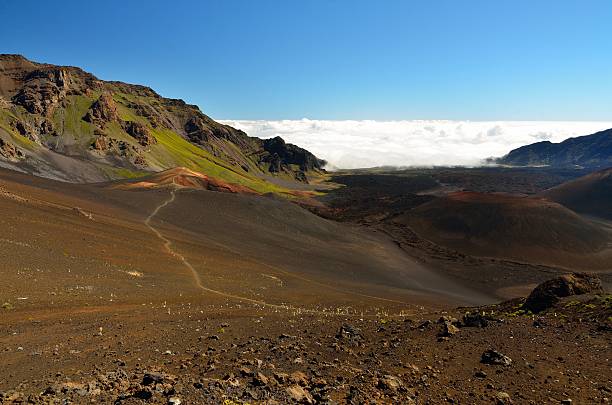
column 194, row 273
column 198, row 281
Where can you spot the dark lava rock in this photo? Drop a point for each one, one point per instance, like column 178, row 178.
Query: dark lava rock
column 425, row 324
column 349, row 332
column 495, row 358
column 474, row 320
column 547, row 294
column 143, row 394
column 448, row 329
column 260, row 379
column 152, row 378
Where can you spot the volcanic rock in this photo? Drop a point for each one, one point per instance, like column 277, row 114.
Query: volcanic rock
column 299, row 394
column 475, row 320
column 389, row 382
column 153, row 378
column 102, row 111
column 140, row 132
column 496, row 358
column 448, row 329
column 548, row 293
column 9, row 151
column 348, row 332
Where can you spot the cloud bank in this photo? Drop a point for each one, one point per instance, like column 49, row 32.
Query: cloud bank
column 360, row 144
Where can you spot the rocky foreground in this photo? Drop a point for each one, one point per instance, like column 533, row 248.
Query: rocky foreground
column 553, row 347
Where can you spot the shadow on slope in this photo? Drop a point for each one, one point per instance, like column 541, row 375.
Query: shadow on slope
column 526, row 229
column 591, row 194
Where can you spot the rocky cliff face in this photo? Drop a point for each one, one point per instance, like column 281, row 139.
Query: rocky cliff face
column 59, row 116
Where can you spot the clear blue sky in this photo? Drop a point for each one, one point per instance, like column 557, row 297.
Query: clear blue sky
column 330, row 59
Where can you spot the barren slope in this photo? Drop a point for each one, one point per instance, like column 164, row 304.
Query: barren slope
column 591, row 194
column 526, row 229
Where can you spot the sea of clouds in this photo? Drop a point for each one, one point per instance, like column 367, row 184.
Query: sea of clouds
column 360, row 144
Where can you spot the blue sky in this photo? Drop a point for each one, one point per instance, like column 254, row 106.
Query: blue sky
column 380, row 60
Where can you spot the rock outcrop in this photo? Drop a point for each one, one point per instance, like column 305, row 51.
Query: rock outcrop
column 102, row 111
column 140, row 132
column 547, row 294
column 9, row 151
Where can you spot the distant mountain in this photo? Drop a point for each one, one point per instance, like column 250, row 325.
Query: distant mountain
column 62, row 122
column 590, row 151
column 590, row 194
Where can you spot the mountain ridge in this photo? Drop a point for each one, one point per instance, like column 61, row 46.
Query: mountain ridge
column 65, row 123
column 589, row 151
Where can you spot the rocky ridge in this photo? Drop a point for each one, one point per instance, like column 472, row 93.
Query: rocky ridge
column 48, row 109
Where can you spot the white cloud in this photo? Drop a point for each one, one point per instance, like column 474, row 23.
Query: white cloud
column 355, row 144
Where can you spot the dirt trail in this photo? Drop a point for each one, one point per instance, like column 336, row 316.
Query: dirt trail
column 198, row 281
column 194, row 273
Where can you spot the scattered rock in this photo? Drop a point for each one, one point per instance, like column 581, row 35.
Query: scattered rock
column 474, row 320
column 496, row 358
column 348, row 332
column 389, row 382
column 299, row 378
column 260, row 379
column 448, row 329
column 502, row 398
column 144, row 394
column 425, row 324
column 153, row 378
column 299, row 394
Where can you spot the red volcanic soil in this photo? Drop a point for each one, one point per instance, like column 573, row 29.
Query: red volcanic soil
column 502, row 225
column 182, row 177
column 591, row 194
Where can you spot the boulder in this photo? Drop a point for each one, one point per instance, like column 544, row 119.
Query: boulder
column 299, row 394
column 495, row 358
column 475, row 320
column 547, row 294
column 389, row 382
column 448, row 329
column 349, row 332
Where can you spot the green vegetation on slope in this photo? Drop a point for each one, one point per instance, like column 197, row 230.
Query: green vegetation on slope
column 172, row 150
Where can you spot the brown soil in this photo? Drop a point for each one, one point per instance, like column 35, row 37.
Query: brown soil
column 242, row 298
